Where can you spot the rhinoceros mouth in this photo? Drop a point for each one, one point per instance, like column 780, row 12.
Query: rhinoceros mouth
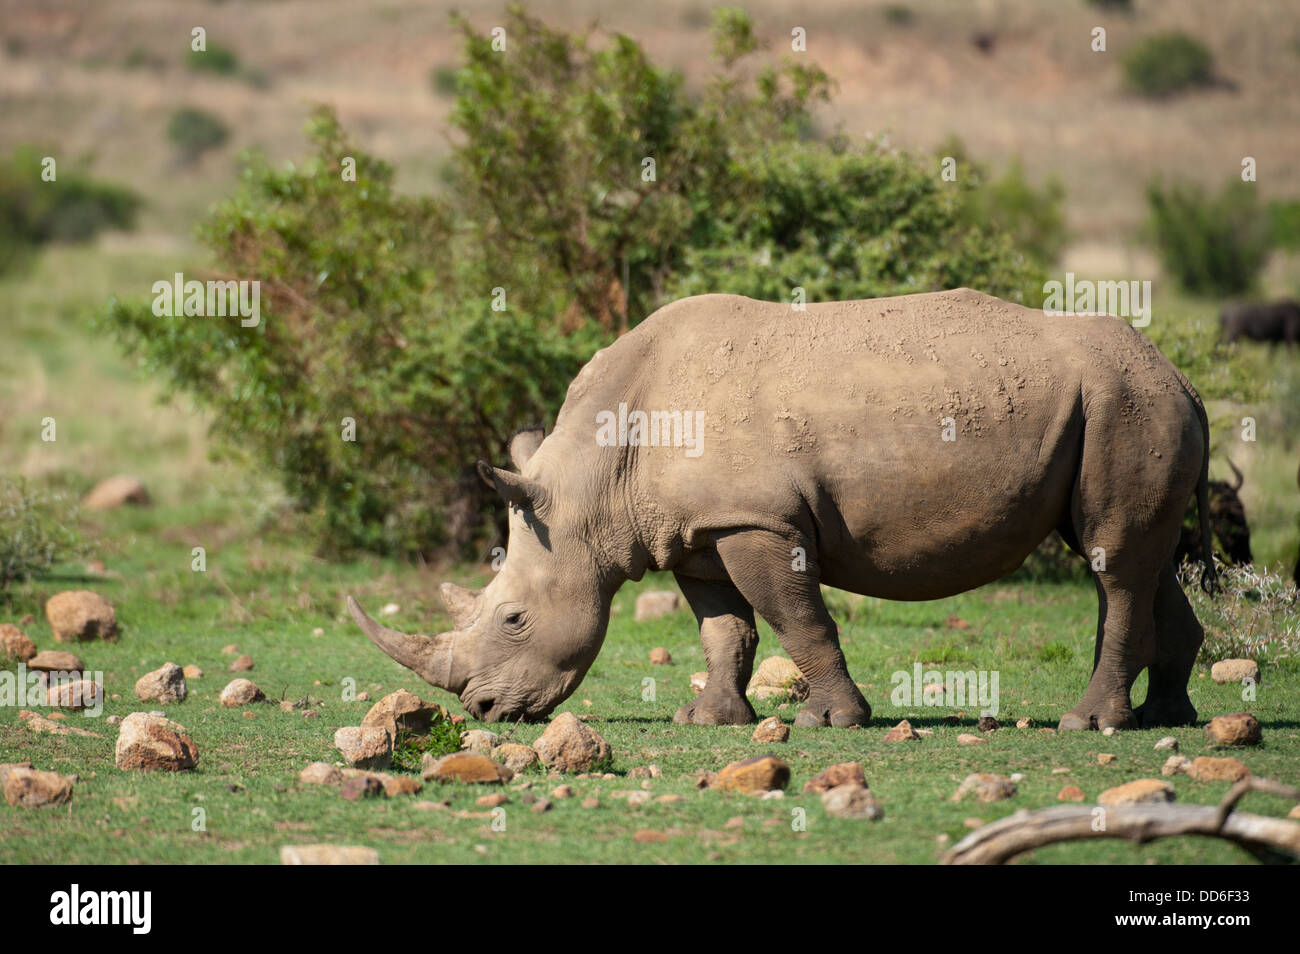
column 489, row 709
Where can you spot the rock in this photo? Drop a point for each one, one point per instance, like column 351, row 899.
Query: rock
column 165, row 685
column 192, row 672
column 644, row 771
column 328, row 855
column 986, row 787
column 1167, row 744
column 53, row 660
column 467, row 767
column 320, row 773
column 389, row 609
column 363, row 697
column 26, row 787
column 591, row 802
column 842, row 773
column 1106, row 758
column 1024, row 723
column 403, row 785
column 698, row 681
column 656, row 603
column 148, row 742
column 495, row 800
column 1174, row 765
column 780, row 674
column 75, row 694
column 116, row 491
column 903, row 732
column 756, row 776
column 987, row 724
column 967, row 738
column 229, row 650
column 38, row 723
column 241, row 692
column 670, row 799
column 1206, row 769
column 1294, row 812
column 645, row 836
column 97, row 567
column 480, row 741
column 1138, row 792
column 1108, row 731
column 7, row 767
column 571, row 746
column 562, row 791
column 1018, row 777
column 80, row 614
column 1227, row 671
column 851, row 801
column 403, row 711
column 771, row 729
column 517, row 758
column 1071, row 793
column 367, row 747
column 1240, row 728
column 660, row 657
column 241, row 663
column 14, row 643
column 362, row 786
column 541, row 805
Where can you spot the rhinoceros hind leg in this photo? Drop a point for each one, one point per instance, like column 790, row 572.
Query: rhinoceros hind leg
column 730, row 639
column 1178, row 640
column 791, row 600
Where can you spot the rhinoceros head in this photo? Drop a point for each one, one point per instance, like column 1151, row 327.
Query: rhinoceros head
column 521, row 644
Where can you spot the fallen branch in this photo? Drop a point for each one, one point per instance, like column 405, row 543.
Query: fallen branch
column 1268, row 839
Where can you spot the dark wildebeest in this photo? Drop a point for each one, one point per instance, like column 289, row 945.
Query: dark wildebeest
column 1227, row 524
column 1262, row 321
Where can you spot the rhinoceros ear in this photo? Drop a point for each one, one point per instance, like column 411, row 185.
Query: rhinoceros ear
column 524, row 445
column 514, row 489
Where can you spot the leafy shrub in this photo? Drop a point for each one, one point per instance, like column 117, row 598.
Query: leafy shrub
column 215, row 59
column 1255, row 616
column 442, row 79
column 409, row 749
column 1284, row 223
column 36, row 532
column 378, row 307
column 72, row 208
column 1211, row 245
column 194, row 131
column 1168, row 63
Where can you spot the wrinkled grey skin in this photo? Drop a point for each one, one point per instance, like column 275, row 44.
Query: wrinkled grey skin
column 823, row 436
column 1275, row 322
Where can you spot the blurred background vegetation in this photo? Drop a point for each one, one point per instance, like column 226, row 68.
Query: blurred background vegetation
column 476, row 171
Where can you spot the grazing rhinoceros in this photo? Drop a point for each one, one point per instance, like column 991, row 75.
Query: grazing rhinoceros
column 908, row 448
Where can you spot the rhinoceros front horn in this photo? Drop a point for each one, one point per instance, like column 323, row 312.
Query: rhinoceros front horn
column 432, row 658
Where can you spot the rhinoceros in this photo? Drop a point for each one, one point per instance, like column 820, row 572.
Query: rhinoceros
column 908, row 448
column 1275, row 322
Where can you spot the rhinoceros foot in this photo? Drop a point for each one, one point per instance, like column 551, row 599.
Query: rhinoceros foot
column 1164, row 711
column 1083, row 717
column 712, row 707
column 841, row 713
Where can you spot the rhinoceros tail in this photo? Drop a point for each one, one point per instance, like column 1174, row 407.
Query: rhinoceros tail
column 1209, row 576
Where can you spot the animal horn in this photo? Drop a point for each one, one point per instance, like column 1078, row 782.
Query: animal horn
column 462, row 604
column 432, row 658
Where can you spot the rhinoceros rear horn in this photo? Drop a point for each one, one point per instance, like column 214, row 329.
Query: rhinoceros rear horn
column 430, row 657
column 462, row 604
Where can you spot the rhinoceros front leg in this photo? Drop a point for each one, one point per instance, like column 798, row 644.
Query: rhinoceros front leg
column 761, row 564
column 730, row 638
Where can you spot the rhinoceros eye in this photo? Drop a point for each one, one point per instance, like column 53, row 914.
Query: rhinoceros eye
column 514, row 618
column 513, row 621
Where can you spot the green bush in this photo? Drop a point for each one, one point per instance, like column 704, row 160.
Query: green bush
column 215, row 59
column 1255, row 616
column 194, row 131
column 1284, row 223
column 378, row 306
column 1168, row 63
column 36, row 532
column 442, row 80
column 72, row 208
column 1210, row 244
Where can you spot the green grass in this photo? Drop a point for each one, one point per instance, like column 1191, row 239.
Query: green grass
column 264, row 591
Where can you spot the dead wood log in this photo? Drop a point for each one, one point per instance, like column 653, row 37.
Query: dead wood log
column 1268, row 839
